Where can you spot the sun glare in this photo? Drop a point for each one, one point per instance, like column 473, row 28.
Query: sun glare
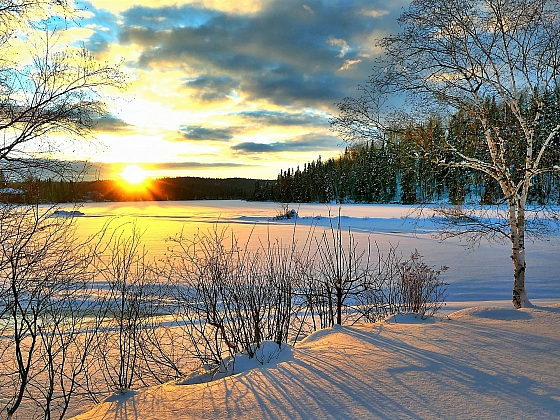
column 133, row 174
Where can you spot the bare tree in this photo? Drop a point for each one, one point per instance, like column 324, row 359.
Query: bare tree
column 45, row 91
column 131, row 301
column 45, row 298
column 495, row 61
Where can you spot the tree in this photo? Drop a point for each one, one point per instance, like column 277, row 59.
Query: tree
column 47, row 94
column 46, row 301
column 45, row 91
column 495, row 61
column 131, row 301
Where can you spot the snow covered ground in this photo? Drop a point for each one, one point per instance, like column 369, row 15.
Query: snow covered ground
column 479, row 359
column 477, row 363
column 475, row 274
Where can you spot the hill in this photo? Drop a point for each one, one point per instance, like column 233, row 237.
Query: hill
column 484, row 363
column 161, row 189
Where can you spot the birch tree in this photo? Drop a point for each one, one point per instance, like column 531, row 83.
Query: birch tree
column 473, row 57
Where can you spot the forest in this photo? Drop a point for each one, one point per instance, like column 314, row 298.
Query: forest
column 409, row 163
column 179, row 188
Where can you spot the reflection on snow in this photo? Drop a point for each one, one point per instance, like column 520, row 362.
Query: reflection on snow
column 482, row 273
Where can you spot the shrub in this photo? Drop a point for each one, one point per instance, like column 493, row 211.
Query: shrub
column 397, row 286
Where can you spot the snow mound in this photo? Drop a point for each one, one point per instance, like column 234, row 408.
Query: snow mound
column 121, row 397
column 409, row 318
column 451, row 370
column 494, row 314
column 267, row 353
column 325, row 333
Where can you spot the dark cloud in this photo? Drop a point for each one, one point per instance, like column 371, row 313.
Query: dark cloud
column 250, row 147
column 109, row 124
column 198, row 133
column 194, row 165
column 223, row 83
column 212, row 88
column 306, row 143
column 287, row 53
column 285, row 119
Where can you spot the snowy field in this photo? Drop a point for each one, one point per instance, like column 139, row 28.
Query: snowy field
column 479, row 358
column 484, row 273
column 479, row 363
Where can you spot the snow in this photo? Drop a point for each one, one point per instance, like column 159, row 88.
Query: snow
column 482, row 273
column 482, row 363
column 268, row 353
column 11, row 191
column 479, row 358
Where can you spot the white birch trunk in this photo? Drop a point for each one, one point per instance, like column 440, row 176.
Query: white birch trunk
column 517, row 227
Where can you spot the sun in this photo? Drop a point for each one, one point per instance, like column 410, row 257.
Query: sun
column 133, row 174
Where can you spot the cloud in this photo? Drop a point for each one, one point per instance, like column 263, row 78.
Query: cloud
column 223, row 83
column 194, row 165
column 349, row 63
column 279, row 53
column 305, row 143
column 212, row 88
column 198, row 133
column 244, row 81
column 106, row 26
column 342, row 44
column 285, row 119
column 375, row 13
column 237, row 7
column 110, row 124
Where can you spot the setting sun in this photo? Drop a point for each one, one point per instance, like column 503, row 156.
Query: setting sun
column 134, row 174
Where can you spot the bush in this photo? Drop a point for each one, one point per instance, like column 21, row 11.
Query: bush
column 229, row 298
column 397, row 286
column 420, row 290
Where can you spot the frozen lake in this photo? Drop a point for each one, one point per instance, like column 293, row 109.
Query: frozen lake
column 482, row 273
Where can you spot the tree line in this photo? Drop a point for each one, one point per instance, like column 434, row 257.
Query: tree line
column 31, row 190
column 398, row 166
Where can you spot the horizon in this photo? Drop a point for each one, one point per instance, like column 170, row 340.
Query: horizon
column 223, row 90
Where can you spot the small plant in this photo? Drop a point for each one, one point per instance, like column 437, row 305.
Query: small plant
column 284, row 212
column 420, row 289
column 397, row 286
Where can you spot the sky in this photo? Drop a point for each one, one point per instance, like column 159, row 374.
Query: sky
column 220, row 88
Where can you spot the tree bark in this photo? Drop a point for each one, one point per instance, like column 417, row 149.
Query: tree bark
column 339, row 304
column 517, row 226
column 520, row 298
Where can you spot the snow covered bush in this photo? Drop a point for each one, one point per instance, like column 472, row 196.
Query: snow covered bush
column 231, row 298
column 395, row 285
column 285, row 212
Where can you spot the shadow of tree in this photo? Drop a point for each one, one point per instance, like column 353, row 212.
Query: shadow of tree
column 487, row 364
